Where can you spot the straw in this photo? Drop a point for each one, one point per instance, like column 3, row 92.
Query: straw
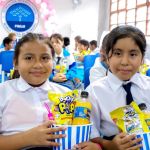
column 50, row 114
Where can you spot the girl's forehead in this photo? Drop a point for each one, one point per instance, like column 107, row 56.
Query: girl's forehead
column 34, row 46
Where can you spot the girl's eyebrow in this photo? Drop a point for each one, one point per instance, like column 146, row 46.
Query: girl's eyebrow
column 134, row 50
column 117, row 49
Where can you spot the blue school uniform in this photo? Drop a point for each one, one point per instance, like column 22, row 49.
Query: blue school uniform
column 67, row 66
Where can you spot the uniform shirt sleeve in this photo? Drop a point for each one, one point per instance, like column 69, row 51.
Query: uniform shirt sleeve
column 95, row 114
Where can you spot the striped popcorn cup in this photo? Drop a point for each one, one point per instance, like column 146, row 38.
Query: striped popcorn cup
column 145, row 142
column 75, row 134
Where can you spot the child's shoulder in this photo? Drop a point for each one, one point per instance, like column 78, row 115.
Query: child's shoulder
column 58, row 88
column 8, row 83
column 102, row 82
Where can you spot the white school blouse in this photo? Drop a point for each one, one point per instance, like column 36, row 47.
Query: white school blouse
column 107, row 94
column 22, row 106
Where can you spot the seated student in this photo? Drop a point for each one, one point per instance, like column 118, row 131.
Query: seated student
column 125, row 49
column 13, row 36
column 93, row 47
column 79, row 57
column 100, row 66
column 64, row 65
column 23, row 123
column 77, row 40
column 66, row 43
column 8, row 44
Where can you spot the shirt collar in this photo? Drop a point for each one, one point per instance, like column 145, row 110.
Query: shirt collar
column 60, row 55
column 22, row 85
column 115, row 82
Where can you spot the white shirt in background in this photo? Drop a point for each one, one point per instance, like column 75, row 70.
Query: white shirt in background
column 97, row 71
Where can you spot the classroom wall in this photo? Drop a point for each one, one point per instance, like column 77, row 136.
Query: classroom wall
column 87, row 19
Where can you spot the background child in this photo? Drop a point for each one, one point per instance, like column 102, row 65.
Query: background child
column 8, row 44
column 93, row 47
column 100, row 67
column 125, row 49
column 79, row 57
column 64, row 65
column 22, row 111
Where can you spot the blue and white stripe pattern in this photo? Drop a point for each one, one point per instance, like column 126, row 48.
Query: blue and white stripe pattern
column 75, row 134
column 145, row 142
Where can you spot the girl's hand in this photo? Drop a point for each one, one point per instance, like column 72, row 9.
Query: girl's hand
column 81, row 58
column 123, row 141
column 87, row 146
column 59, row 77
column 43, row 135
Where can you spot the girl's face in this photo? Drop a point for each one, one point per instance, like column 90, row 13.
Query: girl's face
column 34, row 62
column 82, row 47
column 57, row 45
column 125, row 59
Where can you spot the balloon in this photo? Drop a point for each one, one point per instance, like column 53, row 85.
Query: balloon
column 38, row 1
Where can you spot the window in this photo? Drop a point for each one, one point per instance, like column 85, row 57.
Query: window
column 135, row 12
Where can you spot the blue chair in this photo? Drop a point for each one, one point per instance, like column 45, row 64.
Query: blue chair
column 88, row 62
column 6, row 61
column 148, row 72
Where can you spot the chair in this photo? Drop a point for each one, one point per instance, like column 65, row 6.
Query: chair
column 89, row 61
column 6, row 61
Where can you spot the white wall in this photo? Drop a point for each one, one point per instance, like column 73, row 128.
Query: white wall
column 82, row 20
column 88, row 19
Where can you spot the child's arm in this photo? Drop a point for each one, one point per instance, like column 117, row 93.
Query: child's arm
column 38, row 136
column 121, row 141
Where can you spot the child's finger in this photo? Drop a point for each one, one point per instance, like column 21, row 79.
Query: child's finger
column 55, row 136
column 122, row 135
column 49, row 123
column 52, row 143
column 133, row 142
column 135, row 147
column 128, row 138
column 53, row 130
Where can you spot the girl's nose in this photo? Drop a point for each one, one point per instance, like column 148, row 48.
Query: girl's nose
column 124, row 60
column 37, row 63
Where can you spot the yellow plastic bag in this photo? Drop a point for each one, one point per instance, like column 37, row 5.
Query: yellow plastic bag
column 63, row 106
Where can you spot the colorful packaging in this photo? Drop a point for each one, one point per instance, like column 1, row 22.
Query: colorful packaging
column 60, row 69
column 130, row 119
column 82, row 110
column 63, row 106
column 146, row 113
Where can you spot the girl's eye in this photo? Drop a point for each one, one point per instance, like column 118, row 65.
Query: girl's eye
column 46, row 58
column 116, row 53
column 133, row 54
column 28, row 58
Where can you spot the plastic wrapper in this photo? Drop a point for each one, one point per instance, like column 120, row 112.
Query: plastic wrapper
column 63, row 106
column 130, row 119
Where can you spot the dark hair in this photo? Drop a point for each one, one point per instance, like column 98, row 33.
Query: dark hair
column 84, row 42
column 26, row 38
column 124, row 31
column 7, row 40
column 55, row 36
column 66, row 41
column 93, row 42
column 78, row 38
